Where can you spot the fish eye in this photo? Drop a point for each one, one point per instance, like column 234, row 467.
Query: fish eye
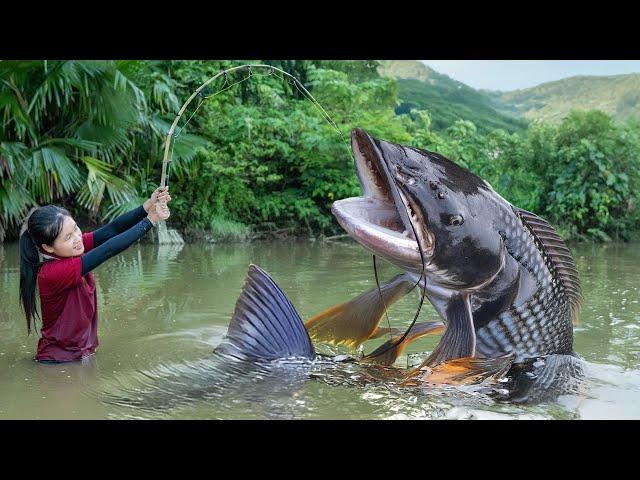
column 456, row 220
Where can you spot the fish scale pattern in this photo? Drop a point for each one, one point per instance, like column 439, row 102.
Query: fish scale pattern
column 541, row 324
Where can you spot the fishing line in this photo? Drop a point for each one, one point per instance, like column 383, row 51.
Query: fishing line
column 169, row 164
column 177, row 134
column 168, row 152
column 206, row 97
column 384, row 304
column 227, row 84
column 422, row 275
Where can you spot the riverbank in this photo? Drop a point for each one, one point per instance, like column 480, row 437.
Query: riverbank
column 199, row 236
column 195, row 236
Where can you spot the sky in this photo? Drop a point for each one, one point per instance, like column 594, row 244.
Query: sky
column 514, row 74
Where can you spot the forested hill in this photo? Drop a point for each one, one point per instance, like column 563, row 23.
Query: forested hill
column 617, row 95
column 447, row 100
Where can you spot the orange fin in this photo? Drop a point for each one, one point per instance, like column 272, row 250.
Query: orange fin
column 387, row 355
column 382, row 331
column 353, row 322
column 461, row 371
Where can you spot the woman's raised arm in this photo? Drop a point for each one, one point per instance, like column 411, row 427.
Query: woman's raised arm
column 122, row 241
column 129, row 219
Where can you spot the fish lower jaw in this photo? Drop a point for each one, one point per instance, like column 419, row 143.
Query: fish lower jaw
column 377, row 226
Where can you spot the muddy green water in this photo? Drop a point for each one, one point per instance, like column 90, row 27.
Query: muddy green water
column 163, row 310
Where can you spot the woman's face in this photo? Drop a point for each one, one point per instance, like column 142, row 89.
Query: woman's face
column 68, row 243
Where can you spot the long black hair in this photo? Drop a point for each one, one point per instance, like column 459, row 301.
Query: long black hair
column 43, row 226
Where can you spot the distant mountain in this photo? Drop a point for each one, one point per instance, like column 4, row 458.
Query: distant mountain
column 617, row 95
column 446, row 99
column 411, row 69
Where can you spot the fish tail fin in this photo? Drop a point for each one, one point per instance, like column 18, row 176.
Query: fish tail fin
column 388, row 352
column 353, row 322
column 460, row 371
column 265, row 325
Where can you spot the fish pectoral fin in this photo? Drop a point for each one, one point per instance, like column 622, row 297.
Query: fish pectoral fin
column 459, row 339
column 353, row 322
column 388, row 352
column 461, row 371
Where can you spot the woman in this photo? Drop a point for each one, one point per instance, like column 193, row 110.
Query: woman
column 59, row 258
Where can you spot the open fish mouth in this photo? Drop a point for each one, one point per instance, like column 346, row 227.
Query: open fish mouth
column 384, row 220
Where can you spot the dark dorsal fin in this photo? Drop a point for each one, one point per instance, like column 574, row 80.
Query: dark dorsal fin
column 558, row 254
column 265, row 326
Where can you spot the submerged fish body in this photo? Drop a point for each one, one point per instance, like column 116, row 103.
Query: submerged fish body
column 266, row 330
column 501, row 278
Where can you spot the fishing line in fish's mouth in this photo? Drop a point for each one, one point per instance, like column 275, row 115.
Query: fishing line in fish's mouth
column 422, row 275
column 253, row 70
column 384, row 304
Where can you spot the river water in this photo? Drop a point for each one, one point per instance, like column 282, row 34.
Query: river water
column 163, row 310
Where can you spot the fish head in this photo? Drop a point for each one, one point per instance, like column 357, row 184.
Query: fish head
column 422, row 211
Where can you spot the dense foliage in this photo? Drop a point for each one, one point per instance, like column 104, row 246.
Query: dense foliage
column 260, row 157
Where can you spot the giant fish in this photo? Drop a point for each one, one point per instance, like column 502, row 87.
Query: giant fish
column 502, row 280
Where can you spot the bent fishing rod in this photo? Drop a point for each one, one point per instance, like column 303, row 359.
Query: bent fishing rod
column 253, row 70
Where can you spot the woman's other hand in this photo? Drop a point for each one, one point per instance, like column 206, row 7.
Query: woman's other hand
column 160, row 195
column 159, row 211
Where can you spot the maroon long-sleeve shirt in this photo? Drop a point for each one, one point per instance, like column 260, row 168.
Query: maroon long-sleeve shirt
column 68, row 303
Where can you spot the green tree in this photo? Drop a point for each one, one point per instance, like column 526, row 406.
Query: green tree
column 594, row 180
column 76, row 129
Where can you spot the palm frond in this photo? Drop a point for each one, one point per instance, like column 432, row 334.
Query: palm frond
column 81, row 144
column 19, row 68
column 185, row 146
column 163, row 94
column 116, row 210
column 123, row 83
column 99, row 180
column 114, row 108
column 14, row 203
column 13, row 158
column 56, row 87
column 14, row 115
column 110, row 139
column 55, row 173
